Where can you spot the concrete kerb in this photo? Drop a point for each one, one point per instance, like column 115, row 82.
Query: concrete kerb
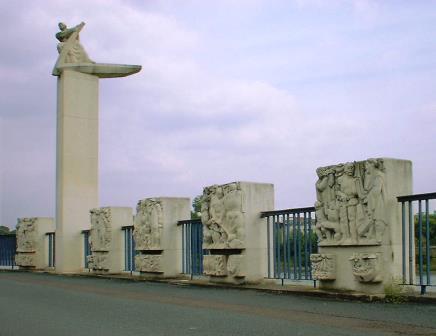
column 299, row 290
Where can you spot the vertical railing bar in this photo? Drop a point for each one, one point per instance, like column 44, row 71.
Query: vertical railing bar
column 411, row 252
column 403, row 229
column 279, row 254
column 427, row 249
column 420, row 256
column 183, row 248
column 268, row 245
column 285, row 257
column 288, row 247
column 294, row 238
column 299, row 245
column 310, row 244
column 306, row 265
column 274, row 246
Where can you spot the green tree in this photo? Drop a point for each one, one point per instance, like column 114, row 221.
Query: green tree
column 432, row 231
column 196, row 207
column 4, row 230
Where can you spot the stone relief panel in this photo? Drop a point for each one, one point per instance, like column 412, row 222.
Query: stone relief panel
column 236, row 265
column 350, row 206
column 367, row 267
column 25, row 259
column 222, row 216
column 215, row 265
column 98, row 261
column 26, row 235
column 149, row 263
column 148, row 225
column 101, row 231
column 323, row 266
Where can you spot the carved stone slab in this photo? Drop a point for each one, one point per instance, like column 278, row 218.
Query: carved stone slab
column 26, row 235
column 351, row 203
column 236, row 266
column 98, row 261
column 323, row 266
column 367, row 267
column 148, row 225
column 215, row 265
column 101, row 231
column 25, row 259
column 149, row 263
column 222, row 215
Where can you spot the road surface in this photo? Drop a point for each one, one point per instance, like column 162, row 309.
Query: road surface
column 41, row 304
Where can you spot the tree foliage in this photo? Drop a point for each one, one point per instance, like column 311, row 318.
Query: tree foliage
column 196, row 207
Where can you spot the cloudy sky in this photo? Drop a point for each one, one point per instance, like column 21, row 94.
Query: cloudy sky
column 256, row 90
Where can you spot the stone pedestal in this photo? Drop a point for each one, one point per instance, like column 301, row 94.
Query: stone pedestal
column 233, row 232
column 107, row 238
column 32, row 242
column 359, row 224
column 157, row 236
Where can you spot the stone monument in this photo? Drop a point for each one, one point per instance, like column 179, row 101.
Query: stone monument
column 233, row 232
column 157, row 236
column 359, row 223
column 107, row 238
column 77, row 142
column 32, row 242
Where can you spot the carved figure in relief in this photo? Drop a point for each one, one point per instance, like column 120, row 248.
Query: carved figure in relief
column 98, row 261
column 101, row 232
column 26, row 235
column 149, row 263
column 366, row 267
column 350, row 203
column 69, row 47
column 25, row 259
column 215, row 265
column 222, row 216
column 323, row 266
column 235, row 265
column 148, row 225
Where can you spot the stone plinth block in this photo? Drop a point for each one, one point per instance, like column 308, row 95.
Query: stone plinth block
column 157, row 236
column 359, row 220
column 232, row 226
column 32, row 241
column 107, row 238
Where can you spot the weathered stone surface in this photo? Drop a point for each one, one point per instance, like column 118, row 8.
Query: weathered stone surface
column 350, row 205
column 25, row 259
column 215, row 265
column 98, row 261
column 236, row 265
column 367, row 267
column 148, row 263
column 148, row 225
column 101, row 229
column 222, row 215
column 26, row 235
column 323, row 266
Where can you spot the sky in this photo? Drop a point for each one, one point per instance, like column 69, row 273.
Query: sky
column 263, row 91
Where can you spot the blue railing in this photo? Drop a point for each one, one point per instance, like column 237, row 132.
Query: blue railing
column 192, row 246
column 8, row 248
column 51, row 249
column 417, row 233
column 86, row 247
column 291, row 240
column 129, row 249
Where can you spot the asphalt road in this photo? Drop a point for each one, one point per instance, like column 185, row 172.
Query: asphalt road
column 41, row 304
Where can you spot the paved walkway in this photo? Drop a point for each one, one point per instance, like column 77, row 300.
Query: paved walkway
column 43, row 304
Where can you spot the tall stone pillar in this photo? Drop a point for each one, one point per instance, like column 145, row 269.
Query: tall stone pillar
column 359, row 224
column 234, row 233
column 77, row 143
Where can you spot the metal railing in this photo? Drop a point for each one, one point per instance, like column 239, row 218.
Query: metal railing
column 129, row 249
column 86, row 247
column 416, row 232
column 291, row 240
column 8, row 248
column 51, row 249
column 192, row 246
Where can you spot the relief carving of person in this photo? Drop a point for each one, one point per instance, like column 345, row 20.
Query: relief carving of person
column 348, row 199
column 76, row 53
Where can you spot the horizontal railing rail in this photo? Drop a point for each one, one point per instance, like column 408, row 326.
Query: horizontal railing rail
column 290, row 241
column 416, row 232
